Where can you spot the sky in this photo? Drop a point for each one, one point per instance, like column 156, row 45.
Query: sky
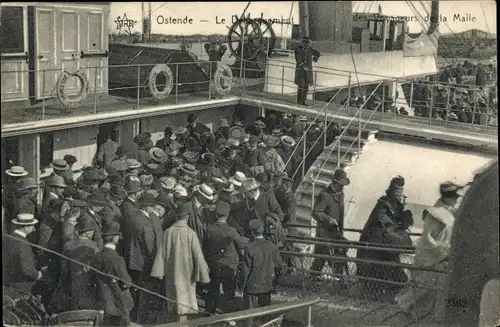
column 207, row 17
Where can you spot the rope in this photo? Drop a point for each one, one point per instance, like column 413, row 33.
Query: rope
column 99, row 271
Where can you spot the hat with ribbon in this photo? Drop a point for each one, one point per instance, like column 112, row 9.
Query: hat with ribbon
column 340, row 176
column 180, row 190
column 59, row 164
column 240, row 123
column 191, row 156
column 158, row 155
column 288, row 141
column 133, row 164
column 111, row 229
column 56, row 181
column 219, row 180
column 25, row 219
column 168, row 183
column 16, row 171
column 223, row 122
column 27, row 183
column 206, row 191
column 181, row 130
column 250, row 184
column 70, row 159
column 85, row 224
column 133, row 185
column 237, row 179
column 260, row 124
column 189, row 169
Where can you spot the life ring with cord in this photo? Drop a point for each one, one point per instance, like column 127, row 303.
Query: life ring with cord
column 160, row 69
column 223, row 79
column 74, row 100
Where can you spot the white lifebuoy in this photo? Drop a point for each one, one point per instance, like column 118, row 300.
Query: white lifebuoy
column 223, row 79
column 169, row 84
column 74, row 101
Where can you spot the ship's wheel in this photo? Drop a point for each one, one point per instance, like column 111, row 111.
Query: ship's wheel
column 251, row 31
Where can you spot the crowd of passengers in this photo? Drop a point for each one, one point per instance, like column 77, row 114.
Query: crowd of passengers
column 181, row 218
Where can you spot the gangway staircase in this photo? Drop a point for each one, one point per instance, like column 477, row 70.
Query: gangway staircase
column 340, row 154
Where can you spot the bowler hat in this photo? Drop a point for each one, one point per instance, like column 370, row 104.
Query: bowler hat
column 208, row 158
column 111, row 229
column 25, row 219
column 133, row 164
column 98, row 198
column 192, row 143
column 133, row 185
column 16, row 171
column 288, row 140
column 256, row 226
column 147, row 199
column 59, row 164
column 340, row 177
column 85, row 224
column 70, row 159
column 163, row 201
column 250, row 184
column 205, row 191
column 222, row 208
column 191, row 118
column 26, row 184
column 56, row 181
column 158, row 155
column 117, row 191
column 183, row 209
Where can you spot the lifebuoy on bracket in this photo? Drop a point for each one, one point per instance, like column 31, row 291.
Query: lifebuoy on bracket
column 223, row 79
column 160, row 69
column 73, row 101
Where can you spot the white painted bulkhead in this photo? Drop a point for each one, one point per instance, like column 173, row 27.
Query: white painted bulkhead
column 332, row 70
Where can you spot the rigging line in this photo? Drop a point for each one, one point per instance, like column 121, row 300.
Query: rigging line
column 98, row 271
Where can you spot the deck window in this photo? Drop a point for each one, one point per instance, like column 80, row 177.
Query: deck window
column 11, row 29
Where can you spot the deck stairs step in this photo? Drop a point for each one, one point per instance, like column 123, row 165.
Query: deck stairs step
column 366, row 134
column 347, row 140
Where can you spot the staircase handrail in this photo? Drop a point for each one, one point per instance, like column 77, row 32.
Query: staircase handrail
column 337, row 142
column 309, row 127
column 326, row 129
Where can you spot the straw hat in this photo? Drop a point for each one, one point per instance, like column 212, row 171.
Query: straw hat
column 16, row 171
column 205, row 191
column 250, row 184
column 237, row 179
column 59, row 164
column 25, row 219
column 288, row 141
column 158, row 155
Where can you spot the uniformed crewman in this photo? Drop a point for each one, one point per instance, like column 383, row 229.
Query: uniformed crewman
column 304, row 56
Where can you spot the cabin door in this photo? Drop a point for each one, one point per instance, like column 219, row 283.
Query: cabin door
column 45, row 55
column 68, row 47
column 94, row 45
column 14, row 52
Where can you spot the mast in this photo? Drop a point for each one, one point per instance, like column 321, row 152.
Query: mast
column 304, row 18
column 149, row 20
column 143, row 20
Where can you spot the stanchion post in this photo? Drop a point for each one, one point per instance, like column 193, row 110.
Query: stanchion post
column 95, row 90
column 176, row 83
column 447, row 105
column 338, row 148
column 283, row 83
column 314, row 89
column 138, row 85
column 359, row 129
column 432, row 102
column 383, row 99
column 411, row 94
column 349, row 92
column 210, row 81
column 474, row 108
column 313, row 190
column 304, row 156
column 43, row 94
column 309, row 314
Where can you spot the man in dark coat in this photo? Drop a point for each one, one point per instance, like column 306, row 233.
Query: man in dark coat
column 73, row 291
column 27, row 197
column 197, row 219
column 194, row 128
column 481, row 76
column 384, row 226
column 95, row 205
column 304, row 57
column 168, row 137
column 14, row 174
column 129, row 209
column 261, row 259
column 288, row 203
column 329, row 214
column 20, row 267
column 113, row 293
column 222, row 247
column 257, row 204
column 112, row 210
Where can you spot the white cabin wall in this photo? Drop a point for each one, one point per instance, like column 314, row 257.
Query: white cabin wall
column 80, row 142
